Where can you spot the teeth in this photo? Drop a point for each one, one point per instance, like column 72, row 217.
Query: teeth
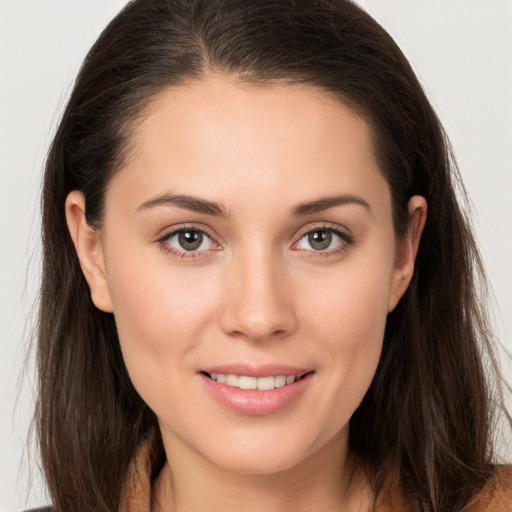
column 247, row 382
column 232, row 380
column 260, row 383
column 280, row 381
column 266, row 383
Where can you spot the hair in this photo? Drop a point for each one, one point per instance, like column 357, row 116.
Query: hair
column 428, row 416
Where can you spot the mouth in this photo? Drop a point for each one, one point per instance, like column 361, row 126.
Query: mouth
column 248, row 382
column 257, row 391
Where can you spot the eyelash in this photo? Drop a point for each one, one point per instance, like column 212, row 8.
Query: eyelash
column 163, row 241
column 346, row 241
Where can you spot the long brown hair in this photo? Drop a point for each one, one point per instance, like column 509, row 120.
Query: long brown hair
column 428, row 414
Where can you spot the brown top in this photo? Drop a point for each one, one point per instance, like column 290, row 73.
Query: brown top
column 496, row 496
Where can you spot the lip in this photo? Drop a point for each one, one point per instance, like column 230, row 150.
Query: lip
column 265, row 370
column 255, row 402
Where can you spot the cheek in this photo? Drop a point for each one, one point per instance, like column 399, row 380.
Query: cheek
column 348, row 322
column 159, row 314
column 351, row 306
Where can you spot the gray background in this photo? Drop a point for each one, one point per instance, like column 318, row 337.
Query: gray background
column 461, row 49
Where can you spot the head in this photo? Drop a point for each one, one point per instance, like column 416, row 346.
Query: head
column 325, row 61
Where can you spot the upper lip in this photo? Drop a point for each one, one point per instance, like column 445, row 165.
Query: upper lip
column 250, row 370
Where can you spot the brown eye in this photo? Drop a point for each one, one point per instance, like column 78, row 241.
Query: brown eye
column 324, row 241
column 190, row 240
column 320, row 239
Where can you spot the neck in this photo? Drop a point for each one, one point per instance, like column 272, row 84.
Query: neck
column 331, row 479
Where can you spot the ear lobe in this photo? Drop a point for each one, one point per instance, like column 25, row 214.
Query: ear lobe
column 407, row 249
column 89, row 250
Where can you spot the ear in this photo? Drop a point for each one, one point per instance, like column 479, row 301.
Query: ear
column 89, row 250
column 406, row 250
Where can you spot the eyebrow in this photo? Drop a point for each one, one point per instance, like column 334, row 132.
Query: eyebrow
column 186, row 202
column 199, row 205
column 324, row 203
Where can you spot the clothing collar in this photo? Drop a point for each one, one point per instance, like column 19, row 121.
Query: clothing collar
column 496, row 494
column 141, row 474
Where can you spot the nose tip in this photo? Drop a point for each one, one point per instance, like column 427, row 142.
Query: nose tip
column 256, row 328
column 259, row 306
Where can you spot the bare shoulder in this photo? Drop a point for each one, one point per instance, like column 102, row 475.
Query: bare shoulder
column 496, row 496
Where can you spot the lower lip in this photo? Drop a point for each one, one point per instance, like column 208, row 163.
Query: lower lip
column 253, row 402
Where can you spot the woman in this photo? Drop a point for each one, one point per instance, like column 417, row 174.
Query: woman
column 259, row 289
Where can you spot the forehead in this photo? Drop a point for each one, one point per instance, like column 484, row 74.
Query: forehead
column 218, row 136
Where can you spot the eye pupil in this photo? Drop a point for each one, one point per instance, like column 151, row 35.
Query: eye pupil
column 190, row 240
column 320, row 239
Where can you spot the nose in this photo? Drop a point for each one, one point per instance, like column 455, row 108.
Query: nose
column 259, row 302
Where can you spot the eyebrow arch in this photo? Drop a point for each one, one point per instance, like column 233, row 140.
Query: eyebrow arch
column 324, row 203
column 186, row 202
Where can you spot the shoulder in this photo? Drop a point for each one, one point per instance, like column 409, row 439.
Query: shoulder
column 496, row 496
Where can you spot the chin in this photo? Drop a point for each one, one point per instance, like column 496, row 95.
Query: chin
column 264, row 454
column 258, row 462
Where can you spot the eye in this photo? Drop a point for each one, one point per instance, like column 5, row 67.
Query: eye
column 323, row 240
column 187, row 241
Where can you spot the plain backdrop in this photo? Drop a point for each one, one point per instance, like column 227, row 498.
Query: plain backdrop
column 461, row 50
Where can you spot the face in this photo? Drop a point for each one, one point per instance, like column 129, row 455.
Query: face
column 248, row 243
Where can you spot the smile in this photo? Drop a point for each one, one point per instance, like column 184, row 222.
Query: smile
column 248, row 382
column 267, row 391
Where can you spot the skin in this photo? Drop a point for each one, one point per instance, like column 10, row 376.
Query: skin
column 258, row 293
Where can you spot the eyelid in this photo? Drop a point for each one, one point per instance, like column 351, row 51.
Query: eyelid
column 344, row 233
column 173, row 230
column 168, row 231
